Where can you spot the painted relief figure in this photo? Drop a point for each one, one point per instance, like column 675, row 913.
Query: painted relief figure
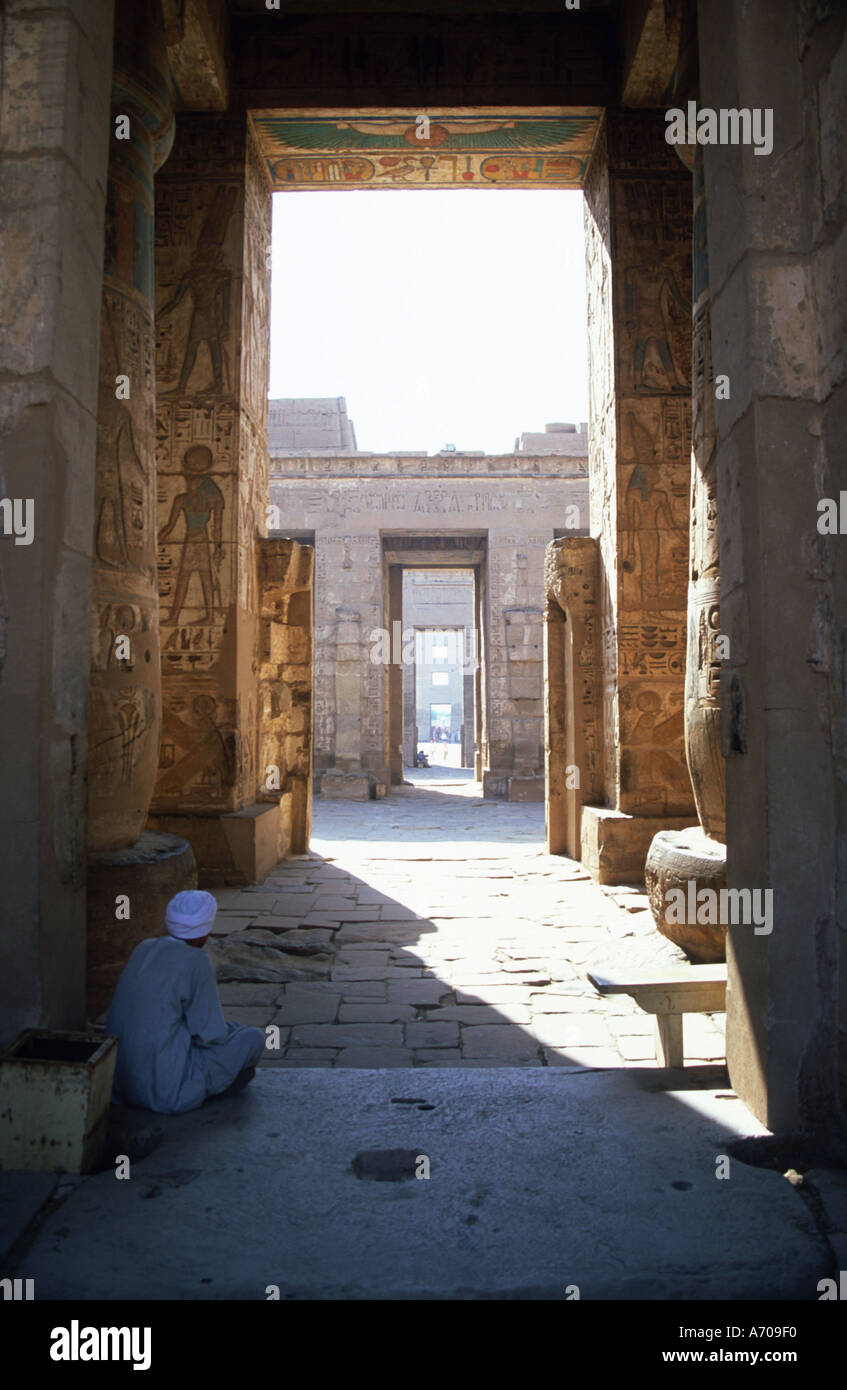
column 201, row 504
column 207, row 280
column 649, row 511
column 650, row 293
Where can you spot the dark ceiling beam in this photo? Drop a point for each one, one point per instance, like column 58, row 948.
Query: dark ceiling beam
column 650, row 35
column 424, row 61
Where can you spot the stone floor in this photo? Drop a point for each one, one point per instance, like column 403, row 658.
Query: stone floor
column 432, row 929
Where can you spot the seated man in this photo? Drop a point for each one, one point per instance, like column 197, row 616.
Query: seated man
column 175, row 1049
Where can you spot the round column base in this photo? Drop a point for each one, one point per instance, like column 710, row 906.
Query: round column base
column 687, row 860
column 139, row 880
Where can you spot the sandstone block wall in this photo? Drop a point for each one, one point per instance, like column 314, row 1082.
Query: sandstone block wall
column 504, row 509
column 779, row 326
column 54, row 145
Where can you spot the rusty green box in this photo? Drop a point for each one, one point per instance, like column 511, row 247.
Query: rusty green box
column 55, row 1089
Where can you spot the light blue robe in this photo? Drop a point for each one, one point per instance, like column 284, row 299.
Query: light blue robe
column 174, row 1046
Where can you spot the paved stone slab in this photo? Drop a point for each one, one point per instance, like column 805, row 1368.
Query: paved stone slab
column 375, row 1057
column 375, row 1013
column 355, row 991
column 498, row 1040
column 571, row 1030
column 419, row 992
column 295, row 1009
column 520, row 1148
column 355, row 972
column 565, row 1004
column 348, row 1035
column 255, row 1016
column 636, row 1047
column 582, row 1057
column 495, row 994
column 247, row 995
column 22, row 1195
column 432, row 1034
column 483, row 1013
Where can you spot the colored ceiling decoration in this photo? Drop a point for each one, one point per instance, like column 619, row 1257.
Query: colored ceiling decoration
column 547, row 149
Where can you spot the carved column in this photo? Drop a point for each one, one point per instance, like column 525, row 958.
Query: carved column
column 132, row 872
column 212, row 285
column 572, row 702
column 703, row 655
column 697, row 854
column 638, row 246
column 286, row 571
column 125, row 716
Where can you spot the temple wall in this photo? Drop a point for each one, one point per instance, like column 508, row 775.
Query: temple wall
column 777, row 280
column 54, row 150
column 212, row 271
column 350, row 517
column 638, row 225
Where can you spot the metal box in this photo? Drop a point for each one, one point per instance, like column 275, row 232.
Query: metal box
column 55, row 1090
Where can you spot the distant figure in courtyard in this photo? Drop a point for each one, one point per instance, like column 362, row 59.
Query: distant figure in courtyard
column 175, row 1048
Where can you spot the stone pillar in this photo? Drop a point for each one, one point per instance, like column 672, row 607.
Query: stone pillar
column 703, row 655
column 638, row 246
column 697, row 854
column 286, row 572
column 394, row 722
column 572, row 690
column 410, row 713
column 212, row 285
column 776, row 254
column 131, row 872
column 515, row 670
column 54, row 150
column 468, row 711
column 125, row 713
column 480, row 691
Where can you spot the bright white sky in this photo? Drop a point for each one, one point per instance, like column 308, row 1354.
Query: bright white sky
column 444, row 317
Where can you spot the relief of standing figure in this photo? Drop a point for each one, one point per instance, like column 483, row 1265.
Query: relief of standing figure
column 201, row 502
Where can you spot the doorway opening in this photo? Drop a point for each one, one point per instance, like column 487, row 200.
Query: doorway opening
column 435, row 586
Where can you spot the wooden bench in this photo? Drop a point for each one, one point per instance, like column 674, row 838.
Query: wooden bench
column 670, row 993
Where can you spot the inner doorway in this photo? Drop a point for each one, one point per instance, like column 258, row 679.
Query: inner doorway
column 438, row 684
column 436, row 696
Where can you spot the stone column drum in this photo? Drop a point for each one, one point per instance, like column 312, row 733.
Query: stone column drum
column 126, row 863
column 698, row 854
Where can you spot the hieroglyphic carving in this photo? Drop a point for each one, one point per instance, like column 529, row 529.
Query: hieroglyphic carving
column 654, row 775
column 125, row 711
column 197, row 759
column 213, row 235
column 640, row 439
column 200, row 280
column 201, row 506
column 703, row 663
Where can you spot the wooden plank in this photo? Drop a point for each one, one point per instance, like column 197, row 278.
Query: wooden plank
column 680, row 977
column 668, row 1035
column 697, row 998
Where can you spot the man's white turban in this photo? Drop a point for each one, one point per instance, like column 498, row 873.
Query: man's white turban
column 190, row 914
